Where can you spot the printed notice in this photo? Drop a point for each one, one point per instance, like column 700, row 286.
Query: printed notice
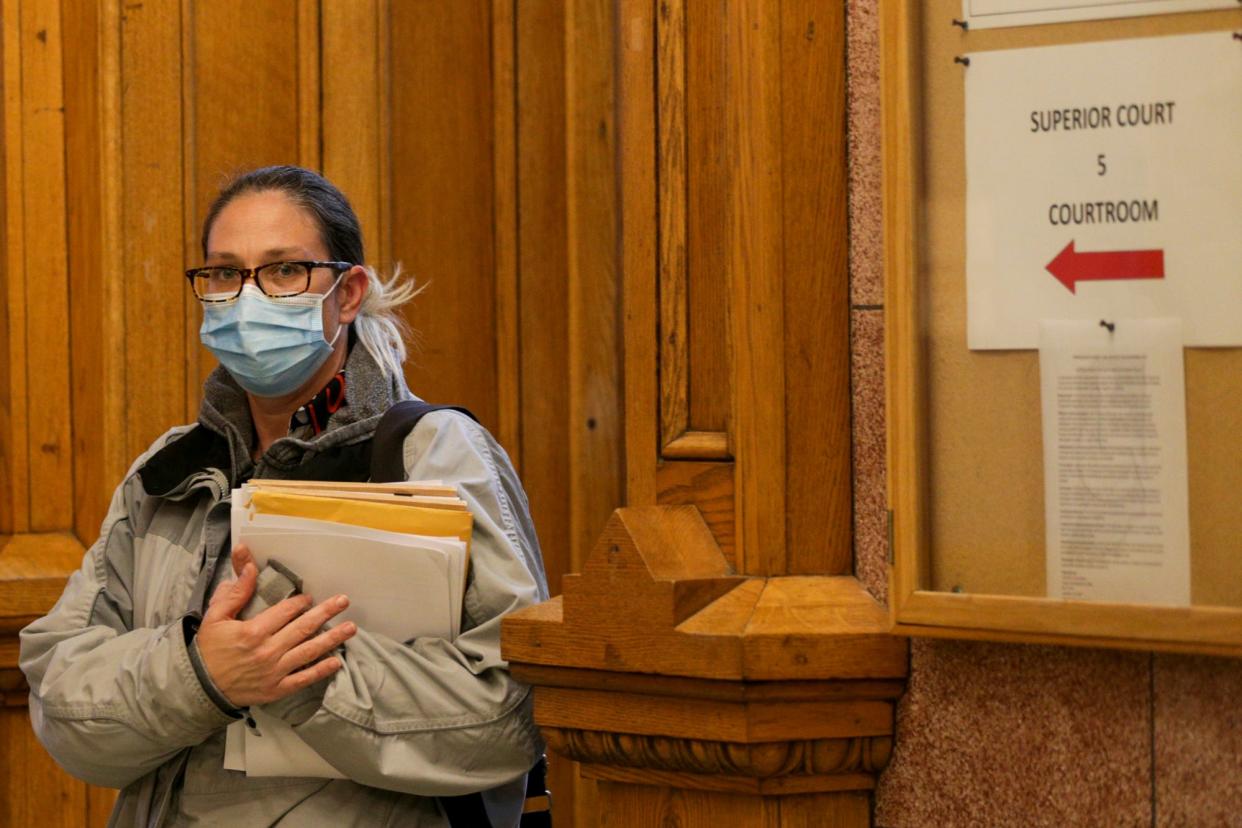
column 1114, row 421
column 986, row 14
column 1104, row 179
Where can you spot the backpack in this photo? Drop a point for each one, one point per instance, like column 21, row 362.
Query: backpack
column 388, row 466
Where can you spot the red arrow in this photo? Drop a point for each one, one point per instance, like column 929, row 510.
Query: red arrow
column 1071, row 267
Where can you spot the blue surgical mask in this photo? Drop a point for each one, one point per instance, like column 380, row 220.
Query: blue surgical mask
column 271, row 346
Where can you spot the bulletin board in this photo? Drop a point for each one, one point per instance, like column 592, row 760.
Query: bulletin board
column 966, row 486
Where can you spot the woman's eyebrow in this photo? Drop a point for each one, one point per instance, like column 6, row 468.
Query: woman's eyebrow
column 273, row 255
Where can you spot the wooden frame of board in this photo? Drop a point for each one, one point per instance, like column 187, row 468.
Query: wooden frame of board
column 921, row 111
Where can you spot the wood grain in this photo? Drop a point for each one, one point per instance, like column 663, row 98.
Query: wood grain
column 14, row 449
column 312, row 20
column 34, row 792
column 707, row 486
column 636, row 122
column 350, row 110
column 905, row 386
column 656, row 597
column 671, row 193
column 543, row 273
column 152, row 219
column 94, row 301
column 709, row 384
column 818, row 475
column 505, row 222
column 33, row 571
column 718, row 783
column 650, row 801
column 698, row 445
column 757, row 327
column 442, row 197
column 742, row 722
column 595, row 428
column 46, row 268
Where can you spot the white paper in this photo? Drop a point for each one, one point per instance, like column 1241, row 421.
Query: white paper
column 276, row 750
column 1153, row 205
column 987, row 14
column 400, row 586
column 1115, row 490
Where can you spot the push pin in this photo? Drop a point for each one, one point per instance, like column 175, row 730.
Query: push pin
column 965, row 61
column 964, row 24
column 1112, row 326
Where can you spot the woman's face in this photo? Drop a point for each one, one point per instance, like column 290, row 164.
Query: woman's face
column 259, row 228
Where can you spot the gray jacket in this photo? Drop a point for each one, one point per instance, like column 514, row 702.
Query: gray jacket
column 114, row 695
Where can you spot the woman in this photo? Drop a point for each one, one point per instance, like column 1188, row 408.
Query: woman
column 133, row 679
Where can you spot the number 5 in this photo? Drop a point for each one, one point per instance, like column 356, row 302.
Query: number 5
column 1099, row 160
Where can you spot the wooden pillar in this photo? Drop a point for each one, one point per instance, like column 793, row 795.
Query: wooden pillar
column 716, row 662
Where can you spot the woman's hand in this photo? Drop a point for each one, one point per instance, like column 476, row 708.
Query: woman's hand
column 277, row 652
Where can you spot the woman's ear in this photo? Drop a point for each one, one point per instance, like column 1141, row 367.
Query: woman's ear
column 352, row 290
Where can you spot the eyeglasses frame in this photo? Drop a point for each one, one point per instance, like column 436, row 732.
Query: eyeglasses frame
column 252, row 273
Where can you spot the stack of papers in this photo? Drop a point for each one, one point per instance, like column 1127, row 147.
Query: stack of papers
column 400, row 551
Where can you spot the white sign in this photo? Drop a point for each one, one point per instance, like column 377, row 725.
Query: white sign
column 1115, row 494
column 1102, row 180
column 987, row 14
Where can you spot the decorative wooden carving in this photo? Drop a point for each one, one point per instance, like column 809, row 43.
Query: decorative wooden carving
column 808, row 757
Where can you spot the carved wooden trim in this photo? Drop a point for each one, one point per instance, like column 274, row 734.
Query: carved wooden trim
column 810, row 757
column 698, row 445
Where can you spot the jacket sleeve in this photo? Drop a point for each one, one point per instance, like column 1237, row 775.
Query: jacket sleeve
column 430, row 716
column 109, row 702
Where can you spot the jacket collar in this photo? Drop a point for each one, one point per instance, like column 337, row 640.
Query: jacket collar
column 225, row 433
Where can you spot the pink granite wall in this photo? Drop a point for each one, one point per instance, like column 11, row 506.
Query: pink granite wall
column 994, row 734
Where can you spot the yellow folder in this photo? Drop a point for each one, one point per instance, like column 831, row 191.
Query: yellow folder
column 411, row 519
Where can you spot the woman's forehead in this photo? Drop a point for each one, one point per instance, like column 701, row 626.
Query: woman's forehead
column 258, row 223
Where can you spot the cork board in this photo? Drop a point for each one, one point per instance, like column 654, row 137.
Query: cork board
column 984, row 488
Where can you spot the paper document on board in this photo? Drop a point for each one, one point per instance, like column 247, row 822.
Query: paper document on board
column 1115, row 479
column 401, row 585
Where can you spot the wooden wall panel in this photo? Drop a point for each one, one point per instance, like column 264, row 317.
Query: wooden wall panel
column 543, row 275
column 355, row 152
column 152, row 218
column 44, row 269
column 14, row 495
column 33, row 790
column 816, row 301
column 708, row 218
column 443, row 192
column 95, row 295
column 233, row 45
column 671, row 184
column 755, row 283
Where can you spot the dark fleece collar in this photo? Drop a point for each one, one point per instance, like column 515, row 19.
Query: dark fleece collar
column 224, row 434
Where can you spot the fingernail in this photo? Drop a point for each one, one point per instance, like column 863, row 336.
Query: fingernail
column 342, row 601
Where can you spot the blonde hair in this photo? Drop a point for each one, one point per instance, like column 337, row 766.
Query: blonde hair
column 380, row 326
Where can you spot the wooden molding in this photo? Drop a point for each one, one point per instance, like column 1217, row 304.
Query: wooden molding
column 657, row 569
column 698, row 445
column 805, row 757
column 33, row 571
column 661, row 666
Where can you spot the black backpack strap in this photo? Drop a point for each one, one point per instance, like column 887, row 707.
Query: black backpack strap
column 387, row 461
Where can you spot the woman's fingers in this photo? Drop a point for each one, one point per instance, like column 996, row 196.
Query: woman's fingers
column 279, row 615
column 305, row 626
column 317, row 647
column 318, row 671
column 231, row 596
column 240, row 557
